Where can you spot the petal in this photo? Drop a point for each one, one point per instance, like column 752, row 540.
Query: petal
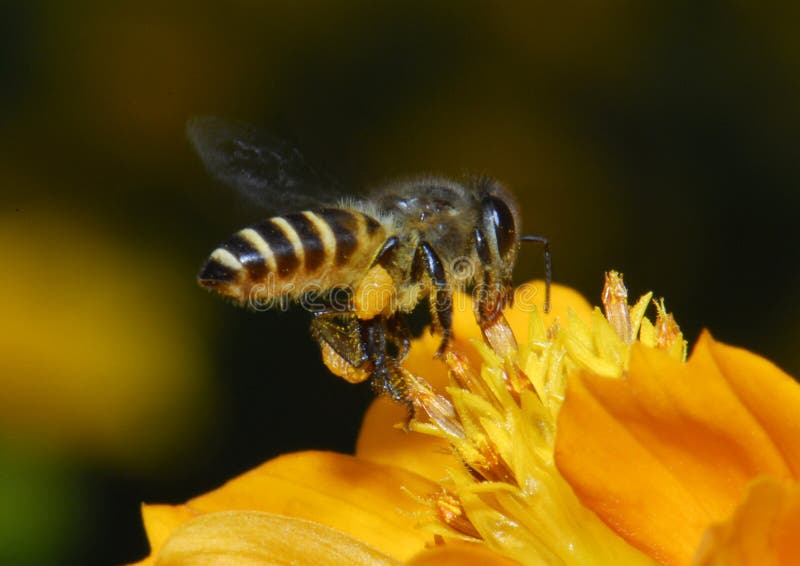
column 365, row 500
column 764, row 529
column 159, row 523
column 255, row 538
column 527, row 299
column 380, row 441
column 773, row 398
column 459, row 554
column 529, row 296
column 671, row 448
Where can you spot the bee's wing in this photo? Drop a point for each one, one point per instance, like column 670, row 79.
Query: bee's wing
column 269, row 172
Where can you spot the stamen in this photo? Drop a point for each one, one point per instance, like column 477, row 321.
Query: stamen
column 668, row 335
column 500, row 419
column 450, row 512
column 437, row 407
column 615, row 303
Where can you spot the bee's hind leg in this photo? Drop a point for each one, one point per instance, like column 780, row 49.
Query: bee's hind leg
column 339, row 337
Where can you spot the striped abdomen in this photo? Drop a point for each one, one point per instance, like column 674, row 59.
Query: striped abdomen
column 284, row 255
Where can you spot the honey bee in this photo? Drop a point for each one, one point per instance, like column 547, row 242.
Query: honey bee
column 420, row 239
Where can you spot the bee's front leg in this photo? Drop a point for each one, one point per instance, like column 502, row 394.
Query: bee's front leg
column 492, row 296
column 493, row 292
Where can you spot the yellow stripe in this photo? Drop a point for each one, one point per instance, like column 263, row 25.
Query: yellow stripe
column 325, row 234
column 261, row 246
column 361, row 226
column 226, row 258
column 291, row 235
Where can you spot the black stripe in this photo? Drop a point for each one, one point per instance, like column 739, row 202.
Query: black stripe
column 214, row 273
column 313, row 249
column 372, row 225
column 247, row 255
column 344, row 225
column 285, row 258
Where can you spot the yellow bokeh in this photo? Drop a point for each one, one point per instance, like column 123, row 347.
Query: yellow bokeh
column 99, row 355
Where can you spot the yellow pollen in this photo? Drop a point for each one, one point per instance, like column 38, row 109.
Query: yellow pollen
column 375, row 294
column 341, row 367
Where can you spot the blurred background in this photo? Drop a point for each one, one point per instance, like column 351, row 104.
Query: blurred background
column 657, row 139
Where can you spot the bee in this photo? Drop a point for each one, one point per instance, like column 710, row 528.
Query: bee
column 360, row 264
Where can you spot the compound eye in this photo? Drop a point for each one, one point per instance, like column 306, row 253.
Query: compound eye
column 498, row 216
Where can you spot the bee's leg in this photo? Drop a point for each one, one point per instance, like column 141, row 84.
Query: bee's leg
column 493, row 294
column 386, row 377
column 492, row 297
column 428, row 260
column 399, row 334
column 356, row 350
column 386, row 254
column 339, row 337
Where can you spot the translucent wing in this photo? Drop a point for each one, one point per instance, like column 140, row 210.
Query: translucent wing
column 268, row 171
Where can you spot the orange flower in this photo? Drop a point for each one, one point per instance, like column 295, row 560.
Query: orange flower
column 649, row 458
column 673, row 448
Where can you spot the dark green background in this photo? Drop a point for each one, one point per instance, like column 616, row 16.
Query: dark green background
column 660, row 139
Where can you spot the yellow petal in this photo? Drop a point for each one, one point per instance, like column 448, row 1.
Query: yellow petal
column 459, row 554
column 255, row 538
column 380, row 441
column 159, row 523
column 529, row 297
column 764, row 530
column 362, row 499
column 670, row 448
